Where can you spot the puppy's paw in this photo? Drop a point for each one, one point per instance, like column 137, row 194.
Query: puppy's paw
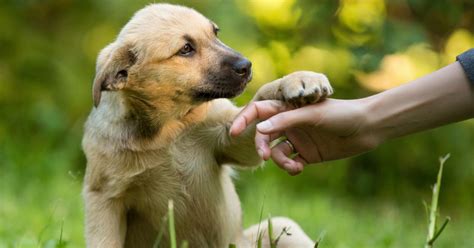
column 304, row 87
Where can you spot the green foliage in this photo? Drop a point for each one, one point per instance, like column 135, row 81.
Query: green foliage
column 47, row 60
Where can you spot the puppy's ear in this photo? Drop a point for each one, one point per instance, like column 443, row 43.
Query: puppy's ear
column 113, row 64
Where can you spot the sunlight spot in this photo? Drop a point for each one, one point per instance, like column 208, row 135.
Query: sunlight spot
column 399, row 68
column 359, row 20
column 274, row 13
column 459, row 41
column 334, row 62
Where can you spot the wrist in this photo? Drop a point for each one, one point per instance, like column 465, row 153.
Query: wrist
column 372, row 129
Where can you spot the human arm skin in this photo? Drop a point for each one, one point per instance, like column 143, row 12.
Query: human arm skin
column 336, row 129
column 439, row 98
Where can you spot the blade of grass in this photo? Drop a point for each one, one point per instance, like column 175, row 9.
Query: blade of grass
column 172, row 229
column 283, row 231
column 434, row 205
column 259, row 235
column 320, row 239
column 446, row 221
column 270, row 232
column 60, row 242
column 427, row 212
column 161, row 233
column 259, row 240
column 46, row 226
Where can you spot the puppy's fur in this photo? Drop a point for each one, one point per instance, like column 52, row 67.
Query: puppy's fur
column 159, row 132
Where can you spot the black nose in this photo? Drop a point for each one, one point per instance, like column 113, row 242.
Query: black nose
column 242, row 67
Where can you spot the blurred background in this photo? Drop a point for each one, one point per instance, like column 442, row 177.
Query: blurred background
column 47, row 58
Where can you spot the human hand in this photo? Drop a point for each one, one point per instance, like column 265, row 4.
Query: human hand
column 334, row 129
column 328, row 130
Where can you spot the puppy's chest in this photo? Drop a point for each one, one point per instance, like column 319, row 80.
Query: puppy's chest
column 178, row 174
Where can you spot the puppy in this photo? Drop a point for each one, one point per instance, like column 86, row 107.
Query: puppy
column 159, row 131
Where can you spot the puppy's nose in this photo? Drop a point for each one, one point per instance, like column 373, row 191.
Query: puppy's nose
column 242, row 67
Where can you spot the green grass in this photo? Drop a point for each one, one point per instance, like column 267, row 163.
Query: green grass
column 433, row 232
column 42, row 214
column 50, row 213
column 348, row 221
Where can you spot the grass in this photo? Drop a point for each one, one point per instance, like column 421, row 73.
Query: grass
column 172, row 230
column 433, row 234
column 41, row 214
column 49, row 213
column 347, row 221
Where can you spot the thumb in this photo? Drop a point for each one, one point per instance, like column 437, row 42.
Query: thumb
column 285, row 120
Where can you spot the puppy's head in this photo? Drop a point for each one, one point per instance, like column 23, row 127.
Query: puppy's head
column 169, row 55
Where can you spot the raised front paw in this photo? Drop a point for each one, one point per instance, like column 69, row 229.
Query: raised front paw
column 304, row 87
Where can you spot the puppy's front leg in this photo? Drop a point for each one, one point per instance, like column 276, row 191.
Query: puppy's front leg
column 239, row 150
column 105, row 221
column 298, row 88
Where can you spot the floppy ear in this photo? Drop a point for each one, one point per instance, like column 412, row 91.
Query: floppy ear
column 113, row 64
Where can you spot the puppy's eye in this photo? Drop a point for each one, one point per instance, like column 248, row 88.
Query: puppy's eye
column 187, row 50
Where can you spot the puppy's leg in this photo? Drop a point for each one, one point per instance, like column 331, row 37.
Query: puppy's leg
column 238, row 150
column 140, row 232
column 288, row 233
column 298, row 88
column 105, row 221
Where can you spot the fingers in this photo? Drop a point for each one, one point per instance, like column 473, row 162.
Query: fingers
column 282, row 121
column 301, row 160
column 255, row 111
column 280, row 155
column 262, row 144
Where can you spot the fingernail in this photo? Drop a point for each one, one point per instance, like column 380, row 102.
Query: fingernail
column 264, row 126
column 260, row 153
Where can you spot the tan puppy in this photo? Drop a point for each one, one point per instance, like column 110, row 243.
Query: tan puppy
column 156, row 133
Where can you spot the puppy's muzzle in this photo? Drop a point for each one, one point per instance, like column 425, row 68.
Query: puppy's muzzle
column 227, row 80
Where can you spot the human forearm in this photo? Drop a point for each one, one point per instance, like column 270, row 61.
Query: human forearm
column 439, row 98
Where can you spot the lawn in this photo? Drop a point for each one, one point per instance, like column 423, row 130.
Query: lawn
column 47, row 212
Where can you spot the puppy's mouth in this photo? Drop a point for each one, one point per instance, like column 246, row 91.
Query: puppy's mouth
column 220, row 90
